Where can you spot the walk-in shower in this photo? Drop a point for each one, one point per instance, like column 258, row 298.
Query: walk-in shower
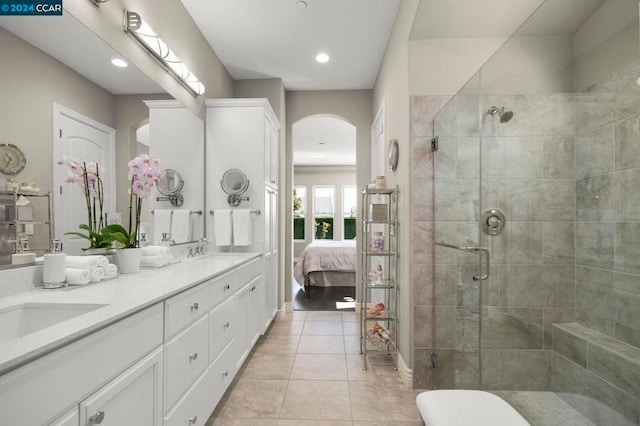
column 557, row 321
column 505, row 116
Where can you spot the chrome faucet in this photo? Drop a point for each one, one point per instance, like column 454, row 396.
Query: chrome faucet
column 201, row 249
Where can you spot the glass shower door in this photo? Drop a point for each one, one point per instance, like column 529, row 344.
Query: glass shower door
column 460, row 261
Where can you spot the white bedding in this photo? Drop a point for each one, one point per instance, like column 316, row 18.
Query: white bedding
column 325, row 256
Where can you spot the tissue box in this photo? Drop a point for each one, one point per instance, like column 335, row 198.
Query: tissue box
column 24, row 213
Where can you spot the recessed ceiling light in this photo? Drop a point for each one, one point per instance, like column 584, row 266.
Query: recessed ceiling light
column 322, row 57
column 119, row 63
column 301, row 4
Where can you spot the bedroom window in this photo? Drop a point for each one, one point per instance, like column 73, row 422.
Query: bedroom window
column 299, row 211
column 323, row 208
column 349, row 209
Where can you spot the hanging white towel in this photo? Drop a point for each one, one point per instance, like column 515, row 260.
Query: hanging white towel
column 222, row 227
column 242, row 227
column 161, row 224
column 181, row 226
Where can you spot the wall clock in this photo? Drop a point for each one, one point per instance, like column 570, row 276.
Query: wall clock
column 12, row 160
column 393, row 154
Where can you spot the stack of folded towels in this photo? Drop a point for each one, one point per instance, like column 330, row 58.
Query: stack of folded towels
column 156, row 256
column 86, row 269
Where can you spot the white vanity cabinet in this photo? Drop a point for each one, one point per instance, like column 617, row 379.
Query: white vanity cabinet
column 57, row 383
column 168, row 364
column 244, row 134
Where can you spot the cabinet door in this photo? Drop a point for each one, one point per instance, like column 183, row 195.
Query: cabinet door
column 254, row 319
column 242, row 314
column 133, row 398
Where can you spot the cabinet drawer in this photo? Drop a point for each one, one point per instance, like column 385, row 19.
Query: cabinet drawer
column 195, row 407
column 186, row 357
column 222, row 325
column 64, row 377
column 222, row 287
column 184, row 308
column 247, row 272
column 221, row 374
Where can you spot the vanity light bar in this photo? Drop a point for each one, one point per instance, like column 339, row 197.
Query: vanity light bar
column 142, row 33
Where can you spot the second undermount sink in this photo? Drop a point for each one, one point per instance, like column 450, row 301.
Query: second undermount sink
column 26, row 318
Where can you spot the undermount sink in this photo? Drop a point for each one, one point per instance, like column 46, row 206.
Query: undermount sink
column 26, row 318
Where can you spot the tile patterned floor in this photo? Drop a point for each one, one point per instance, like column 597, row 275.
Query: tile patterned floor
column 307, row 371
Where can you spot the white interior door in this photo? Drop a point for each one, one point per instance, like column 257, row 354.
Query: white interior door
column 81, row 138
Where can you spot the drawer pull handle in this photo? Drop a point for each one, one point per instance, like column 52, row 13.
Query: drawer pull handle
column 225, row 374
column 195, row 306
column 193, row 357
column 227, row 287
column 226, row 324
column 97, row 418
column 193, row 420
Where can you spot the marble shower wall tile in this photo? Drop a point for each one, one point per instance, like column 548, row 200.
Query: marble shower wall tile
column 536, row 375
column 559, row 158
column 595, row 151
column 512, row 328
column 627, row 247
column 595, row 244
column 537, row 286
column 596, row 399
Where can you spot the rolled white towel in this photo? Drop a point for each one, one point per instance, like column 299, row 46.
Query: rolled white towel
column 155, row 261
column 155, row 250
column 77, row 276
column 82, row 262
column 102, row 260
column 110, row 270
column 97, row 274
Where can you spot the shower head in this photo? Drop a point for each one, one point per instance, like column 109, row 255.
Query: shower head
column 505, row 116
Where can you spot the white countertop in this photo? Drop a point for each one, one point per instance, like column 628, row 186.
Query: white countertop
column 124, row 296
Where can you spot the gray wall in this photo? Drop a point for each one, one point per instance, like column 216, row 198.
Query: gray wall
column 31, row 82
column 354, row 106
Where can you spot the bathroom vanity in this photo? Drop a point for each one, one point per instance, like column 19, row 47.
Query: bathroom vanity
column 155, row 348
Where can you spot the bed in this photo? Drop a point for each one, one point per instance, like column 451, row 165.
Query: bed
column 326, row 264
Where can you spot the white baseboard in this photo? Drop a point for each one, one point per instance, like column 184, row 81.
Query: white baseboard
column 406, row 374
column 288, row 307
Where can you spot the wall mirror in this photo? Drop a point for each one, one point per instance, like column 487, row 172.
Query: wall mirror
column 235, row 183
column 170, row 187
column 61, row 62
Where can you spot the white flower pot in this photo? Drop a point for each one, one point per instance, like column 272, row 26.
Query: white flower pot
column 129, row 260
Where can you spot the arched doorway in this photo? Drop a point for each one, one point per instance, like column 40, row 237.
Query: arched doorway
column 324, row 213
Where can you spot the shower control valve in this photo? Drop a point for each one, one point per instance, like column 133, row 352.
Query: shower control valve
column 493, row 221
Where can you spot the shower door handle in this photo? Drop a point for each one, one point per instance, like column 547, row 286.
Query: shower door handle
column 483, row 251
column 487, row 263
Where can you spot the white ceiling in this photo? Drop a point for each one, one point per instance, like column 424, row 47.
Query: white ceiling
column 73, row 44
column 322, row 140
column 278, row 39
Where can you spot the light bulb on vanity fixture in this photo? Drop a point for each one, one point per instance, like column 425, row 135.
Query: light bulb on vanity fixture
column 142, row 33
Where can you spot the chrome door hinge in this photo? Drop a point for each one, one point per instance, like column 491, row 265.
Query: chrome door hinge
column 434, row 144
column 434, row 360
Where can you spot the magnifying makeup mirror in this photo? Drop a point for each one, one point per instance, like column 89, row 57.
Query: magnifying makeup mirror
column 234, row 183
column 170, row 187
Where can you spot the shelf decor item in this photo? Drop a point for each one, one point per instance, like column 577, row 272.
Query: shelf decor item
column 88, row 175
column 144, row 174
column 378, row 306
